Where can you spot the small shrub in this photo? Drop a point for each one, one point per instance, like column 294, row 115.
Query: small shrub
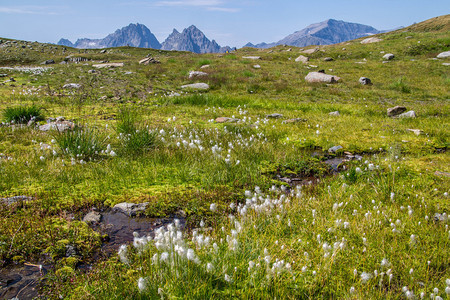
column 23, row 114
column 83, row 143
column 203, row 62
column 401, row 86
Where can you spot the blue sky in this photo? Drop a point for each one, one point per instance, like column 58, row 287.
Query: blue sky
column 229, row 22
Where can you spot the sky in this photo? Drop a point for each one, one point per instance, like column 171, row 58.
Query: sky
column 229, row 22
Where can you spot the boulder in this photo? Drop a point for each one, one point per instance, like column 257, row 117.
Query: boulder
column 251, row 57
column 302, row 59
column 196, row 86
column 388, row 56
column 371, row 40
column 226, row 120
column 334, row 113
column 394, row 111
column 296, row 120
column 445, row 54
column 193, row 74
column 71, row 86
column 321, row 77
column 256, row 67
column 311, row 51
column 108, row 65
column 130, row 209
column 408, row 114
column 149, row 60
column 274, row 116
column 59, row 125
column 48, row 62
column 415, row 131
column 92, row 217
column 204, row 67
column 328, row 59
column 334, row 149
column 365, row 81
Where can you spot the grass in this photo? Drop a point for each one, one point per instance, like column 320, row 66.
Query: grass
column 22, row 114
column 140, row 143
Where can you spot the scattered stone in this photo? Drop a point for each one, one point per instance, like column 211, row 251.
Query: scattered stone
column 334, row 113
column 174, row 94
column 394, row 111
column 444, row 54
column 48, row 62
column 274, row 116
column 71, row 251
column 15, row 199
column 103, row 51
column 93, row 72
column 3, row 75
column 251, row 57
column 196, row 86
column 296, row 120
column 108, row 65
column 256, row 67
column 149, row 60
column 226, row 120
column 130, row 209
column 59, row 125
column 440, row 217
column 321, row 77
column 365, row 81
column 334, row 149
column 289, row 50
column 388, row 56
column 328, row 59
column 311, row 51
column 204, row 67
column 408, row 114
column 193, row 74
column 446, row 64
column 71, row 86
column 371, row 40
column 439, row 173
column 302, row 59
column 92, row 217
column 415, row 131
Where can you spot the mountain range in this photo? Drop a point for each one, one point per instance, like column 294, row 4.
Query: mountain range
column 324, row 33
column 192, row 39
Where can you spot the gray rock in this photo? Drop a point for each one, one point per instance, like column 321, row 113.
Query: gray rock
column 394, row 111
column 440, row 217
column 334, row 149
column 71, row 251
column 334, row 113
column 196, row 86
column 103, row 51
column 328, row 59
column 296, row 120
column 256, row 67
column 71, row 86
column 60, row 126
column 226, row 120
column 204, row 67
column 108, row 65
column 48, row 62
column 193, row 74
column 444, row 54
column 92, row 217
column 388, row 56
column 302, row 59
column 251, row 57
column 130, row 209
column 415, row 131
column 371, row 40
column 3, row 75
column 408, row 114
column 321, row 77
column 365, row 81
column 15, row 199
column 274, row 116
column 446, row 64
column 149, row 60
column 311, row 51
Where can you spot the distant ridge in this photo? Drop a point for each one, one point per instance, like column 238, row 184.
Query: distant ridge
column 193, row 40
column 324, row 33
column 135, row 35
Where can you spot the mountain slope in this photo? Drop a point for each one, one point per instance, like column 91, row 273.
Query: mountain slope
column 135, row 35
column 190, row 39
column 324, row 33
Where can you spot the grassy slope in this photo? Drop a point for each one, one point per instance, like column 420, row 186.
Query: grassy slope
column 174, row 178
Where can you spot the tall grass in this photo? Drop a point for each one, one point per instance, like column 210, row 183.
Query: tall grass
column 81, row 143
column 23, row 114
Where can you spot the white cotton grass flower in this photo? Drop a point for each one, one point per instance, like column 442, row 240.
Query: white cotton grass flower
column 227, row 278
column 142, row 284
column 213, row 207
column 209, row 267
column 352, row 290
column 385, row 263
column 447, row 291
column 366, row 277
column 123, row 251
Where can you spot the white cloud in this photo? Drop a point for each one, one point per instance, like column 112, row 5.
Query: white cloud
column 211, row 5
column 30, row 10
column 224, row 9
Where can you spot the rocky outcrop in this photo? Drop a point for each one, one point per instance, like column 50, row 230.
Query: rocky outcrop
column 190, row 39
column 321, row 77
